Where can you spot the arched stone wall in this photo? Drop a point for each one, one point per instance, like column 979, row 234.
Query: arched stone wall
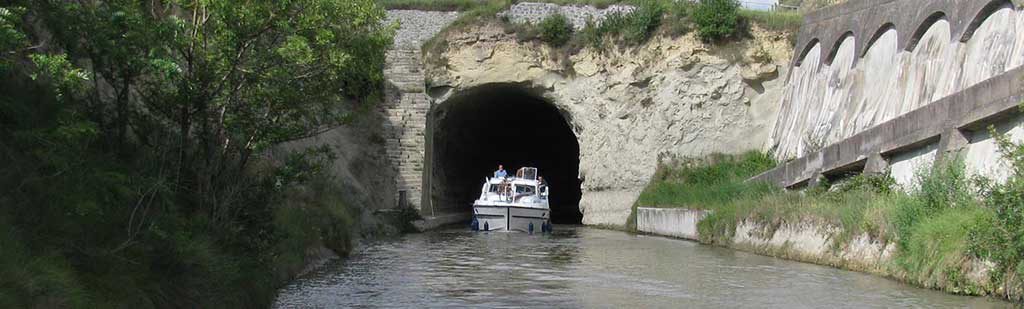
column 891, row 73
column 865, row 17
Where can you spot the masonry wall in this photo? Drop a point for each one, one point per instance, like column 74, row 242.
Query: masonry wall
column 406, row 101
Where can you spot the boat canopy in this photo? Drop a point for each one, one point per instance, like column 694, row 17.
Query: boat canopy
column 527, row 173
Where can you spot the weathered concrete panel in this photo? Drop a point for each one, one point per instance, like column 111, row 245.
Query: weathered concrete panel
column 990, row 102
column 674, row 222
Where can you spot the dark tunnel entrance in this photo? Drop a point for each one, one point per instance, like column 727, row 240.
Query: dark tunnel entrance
column 474, row 131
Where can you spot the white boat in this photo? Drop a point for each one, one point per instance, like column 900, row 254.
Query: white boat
column 518, row 203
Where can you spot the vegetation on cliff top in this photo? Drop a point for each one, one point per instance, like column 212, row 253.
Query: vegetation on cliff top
column 133, row 137
column 714, row 21
column 946, row 223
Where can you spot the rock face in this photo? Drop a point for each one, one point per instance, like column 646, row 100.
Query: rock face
column 629, row 107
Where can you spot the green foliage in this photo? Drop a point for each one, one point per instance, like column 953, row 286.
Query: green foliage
column 1002, row 238
column 707, row 183
column 556, row 30
column 11, row 39
column 716, row 20
column 131, row 149
column 628, row 29
column 933, row 251
column 712, row 183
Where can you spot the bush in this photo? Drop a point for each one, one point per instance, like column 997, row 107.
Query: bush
column 555, row 30
column 642, row 22
column 716, row 19
column 629, row 29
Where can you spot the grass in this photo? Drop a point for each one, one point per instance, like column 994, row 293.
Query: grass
column 712, row 183
column 788, row 21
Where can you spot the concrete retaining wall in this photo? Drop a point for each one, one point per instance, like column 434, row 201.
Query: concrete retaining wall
column 674, row 222
column 950, row 121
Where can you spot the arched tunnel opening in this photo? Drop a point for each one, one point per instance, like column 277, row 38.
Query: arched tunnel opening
column 474, row 131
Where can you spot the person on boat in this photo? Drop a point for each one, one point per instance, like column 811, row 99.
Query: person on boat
column 500, row 173
column 541, row 182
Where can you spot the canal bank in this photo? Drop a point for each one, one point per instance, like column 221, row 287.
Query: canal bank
column 949, row 232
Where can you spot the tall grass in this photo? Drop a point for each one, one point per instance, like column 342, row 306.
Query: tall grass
column 789, row 21
column 707, row 183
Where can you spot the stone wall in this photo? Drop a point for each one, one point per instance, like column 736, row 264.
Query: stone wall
column 532, row 12
column 406, row 102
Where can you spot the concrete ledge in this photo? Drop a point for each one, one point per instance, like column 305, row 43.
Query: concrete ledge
column 434, row 222
column 673, row 222
column 975, row 107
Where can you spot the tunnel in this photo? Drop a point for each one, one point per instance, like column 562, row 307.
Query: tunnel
column 472, row 132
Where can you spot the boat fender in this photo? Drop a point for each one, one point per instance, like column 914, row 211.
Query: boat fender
column 531, row 228
column 475, row 225
column 486, row 226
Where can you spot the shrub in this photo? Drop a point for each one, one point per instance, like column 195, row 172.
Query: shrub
column 555, row 30
column 642, row 22
column 716, row 19
column 629, row 29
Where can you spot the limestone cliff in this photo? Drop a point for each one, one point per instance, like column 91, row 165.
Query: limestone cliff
column 630, row 106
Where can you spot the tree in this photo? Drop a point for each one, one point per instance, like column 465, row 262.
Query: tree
column 128, row 130
column 213, row 82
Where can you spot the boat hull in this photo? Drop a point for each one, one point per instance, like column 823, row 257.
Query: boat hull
column 510, row 218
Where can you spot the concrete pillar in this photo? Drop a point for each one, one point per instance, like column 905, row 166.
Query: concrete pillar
column 951, row 145
column 876, row 165
column 816, row 180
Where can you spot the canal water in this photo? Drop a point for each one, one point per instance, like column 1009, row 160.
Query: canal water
column 587, row 267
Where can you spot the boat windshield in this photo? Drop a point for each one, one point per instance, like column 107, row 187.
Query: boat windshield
column 524, row 189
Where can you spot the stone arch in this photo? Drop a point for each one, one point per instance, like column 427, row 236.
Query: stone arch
column 982, row 15
column 875, row 36
column 923, row 28
column 837, row 43
column 807, row 49
column 474, row 130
